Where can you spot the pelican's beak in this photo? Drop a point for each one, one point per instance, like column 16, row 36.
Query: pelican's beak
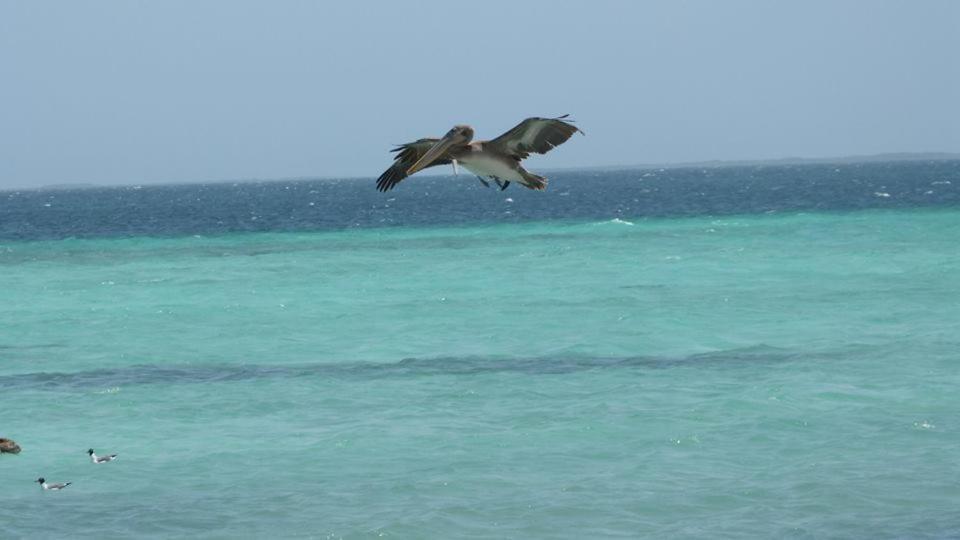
column 432, row 154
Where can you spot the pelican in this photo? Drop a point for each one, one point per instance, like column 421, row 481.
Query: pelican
column 497, row 159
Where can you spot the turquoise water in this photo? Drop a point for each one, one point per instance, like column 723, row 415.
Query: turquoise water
column 783, row 375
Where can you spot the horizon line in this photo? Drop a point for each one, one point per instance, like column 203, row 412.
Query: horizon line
column 713, row 163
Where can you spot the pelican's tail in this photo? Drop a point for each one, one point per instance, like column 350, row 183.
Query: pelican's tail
column 533, row 181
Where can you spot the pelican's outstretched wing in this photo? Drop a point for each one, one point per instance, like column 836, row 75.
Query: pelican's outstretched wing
column 535, row 135
column 409, row 154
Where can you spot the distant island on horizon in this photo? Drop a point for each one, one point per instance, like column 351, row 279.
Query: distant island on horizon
column 716, row 163
column 867, row 158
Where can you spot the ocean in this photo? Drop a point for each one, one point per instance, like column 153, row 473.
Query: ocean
column 743, row 352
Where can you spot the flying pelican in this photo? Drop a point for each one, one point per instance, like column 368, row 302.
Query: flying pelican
column 497, row 159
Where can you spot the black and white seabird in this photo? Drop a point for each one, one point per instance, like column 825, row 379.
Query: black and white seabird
column 100, row 459
column 52, row 487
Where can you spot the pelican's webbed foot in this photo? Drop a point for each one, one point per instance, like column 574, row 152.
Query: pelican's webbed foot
column 503, row 185
column 482, row 181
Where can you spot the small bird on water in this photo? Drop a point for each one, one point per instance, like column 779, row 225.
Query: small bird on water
column 100, row 459
column 52, row 487
column 497, row 159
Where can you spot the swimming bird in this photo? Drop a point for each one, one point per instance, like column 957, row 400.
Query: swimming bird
column 52, row 487
column 98, row 459
column 497, row 159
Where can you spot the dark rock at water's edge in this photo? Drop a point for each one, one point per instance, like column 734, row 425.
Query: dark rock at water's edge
column 8, row 446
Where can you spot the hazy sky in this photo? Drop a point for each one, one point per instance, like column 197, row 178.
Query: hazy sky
column 133, row 92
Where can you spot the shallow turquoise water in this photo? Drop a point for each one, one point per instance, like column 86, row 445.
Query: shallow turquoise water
column 765, row 375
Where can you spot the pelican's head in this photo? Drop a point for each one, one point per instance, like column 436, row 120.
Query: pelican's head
column 456, row 136
column 462, row 134
column 41, row 480
column 90, row 452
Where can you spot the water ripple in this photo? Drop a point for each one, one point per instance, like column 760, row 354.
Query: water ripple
column 409, row 367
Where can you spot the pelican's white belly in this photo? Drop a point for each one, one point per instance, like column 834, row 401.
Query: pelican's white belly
column 485, row 166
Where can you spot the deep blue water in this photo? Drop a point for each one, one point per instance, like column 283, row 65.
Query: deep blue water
column 308, row 205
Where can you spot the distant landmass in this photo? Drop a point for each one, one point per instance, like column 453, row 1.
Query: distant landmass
column 871, row 158
column 78, row 185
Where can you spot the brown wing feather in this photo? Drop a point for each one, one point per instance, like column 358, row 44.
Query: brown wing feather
column 408, row 155
column 536, row 135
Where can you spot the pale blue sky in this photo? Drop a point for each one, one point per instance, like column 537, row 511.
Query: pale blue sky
column 130, row 92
